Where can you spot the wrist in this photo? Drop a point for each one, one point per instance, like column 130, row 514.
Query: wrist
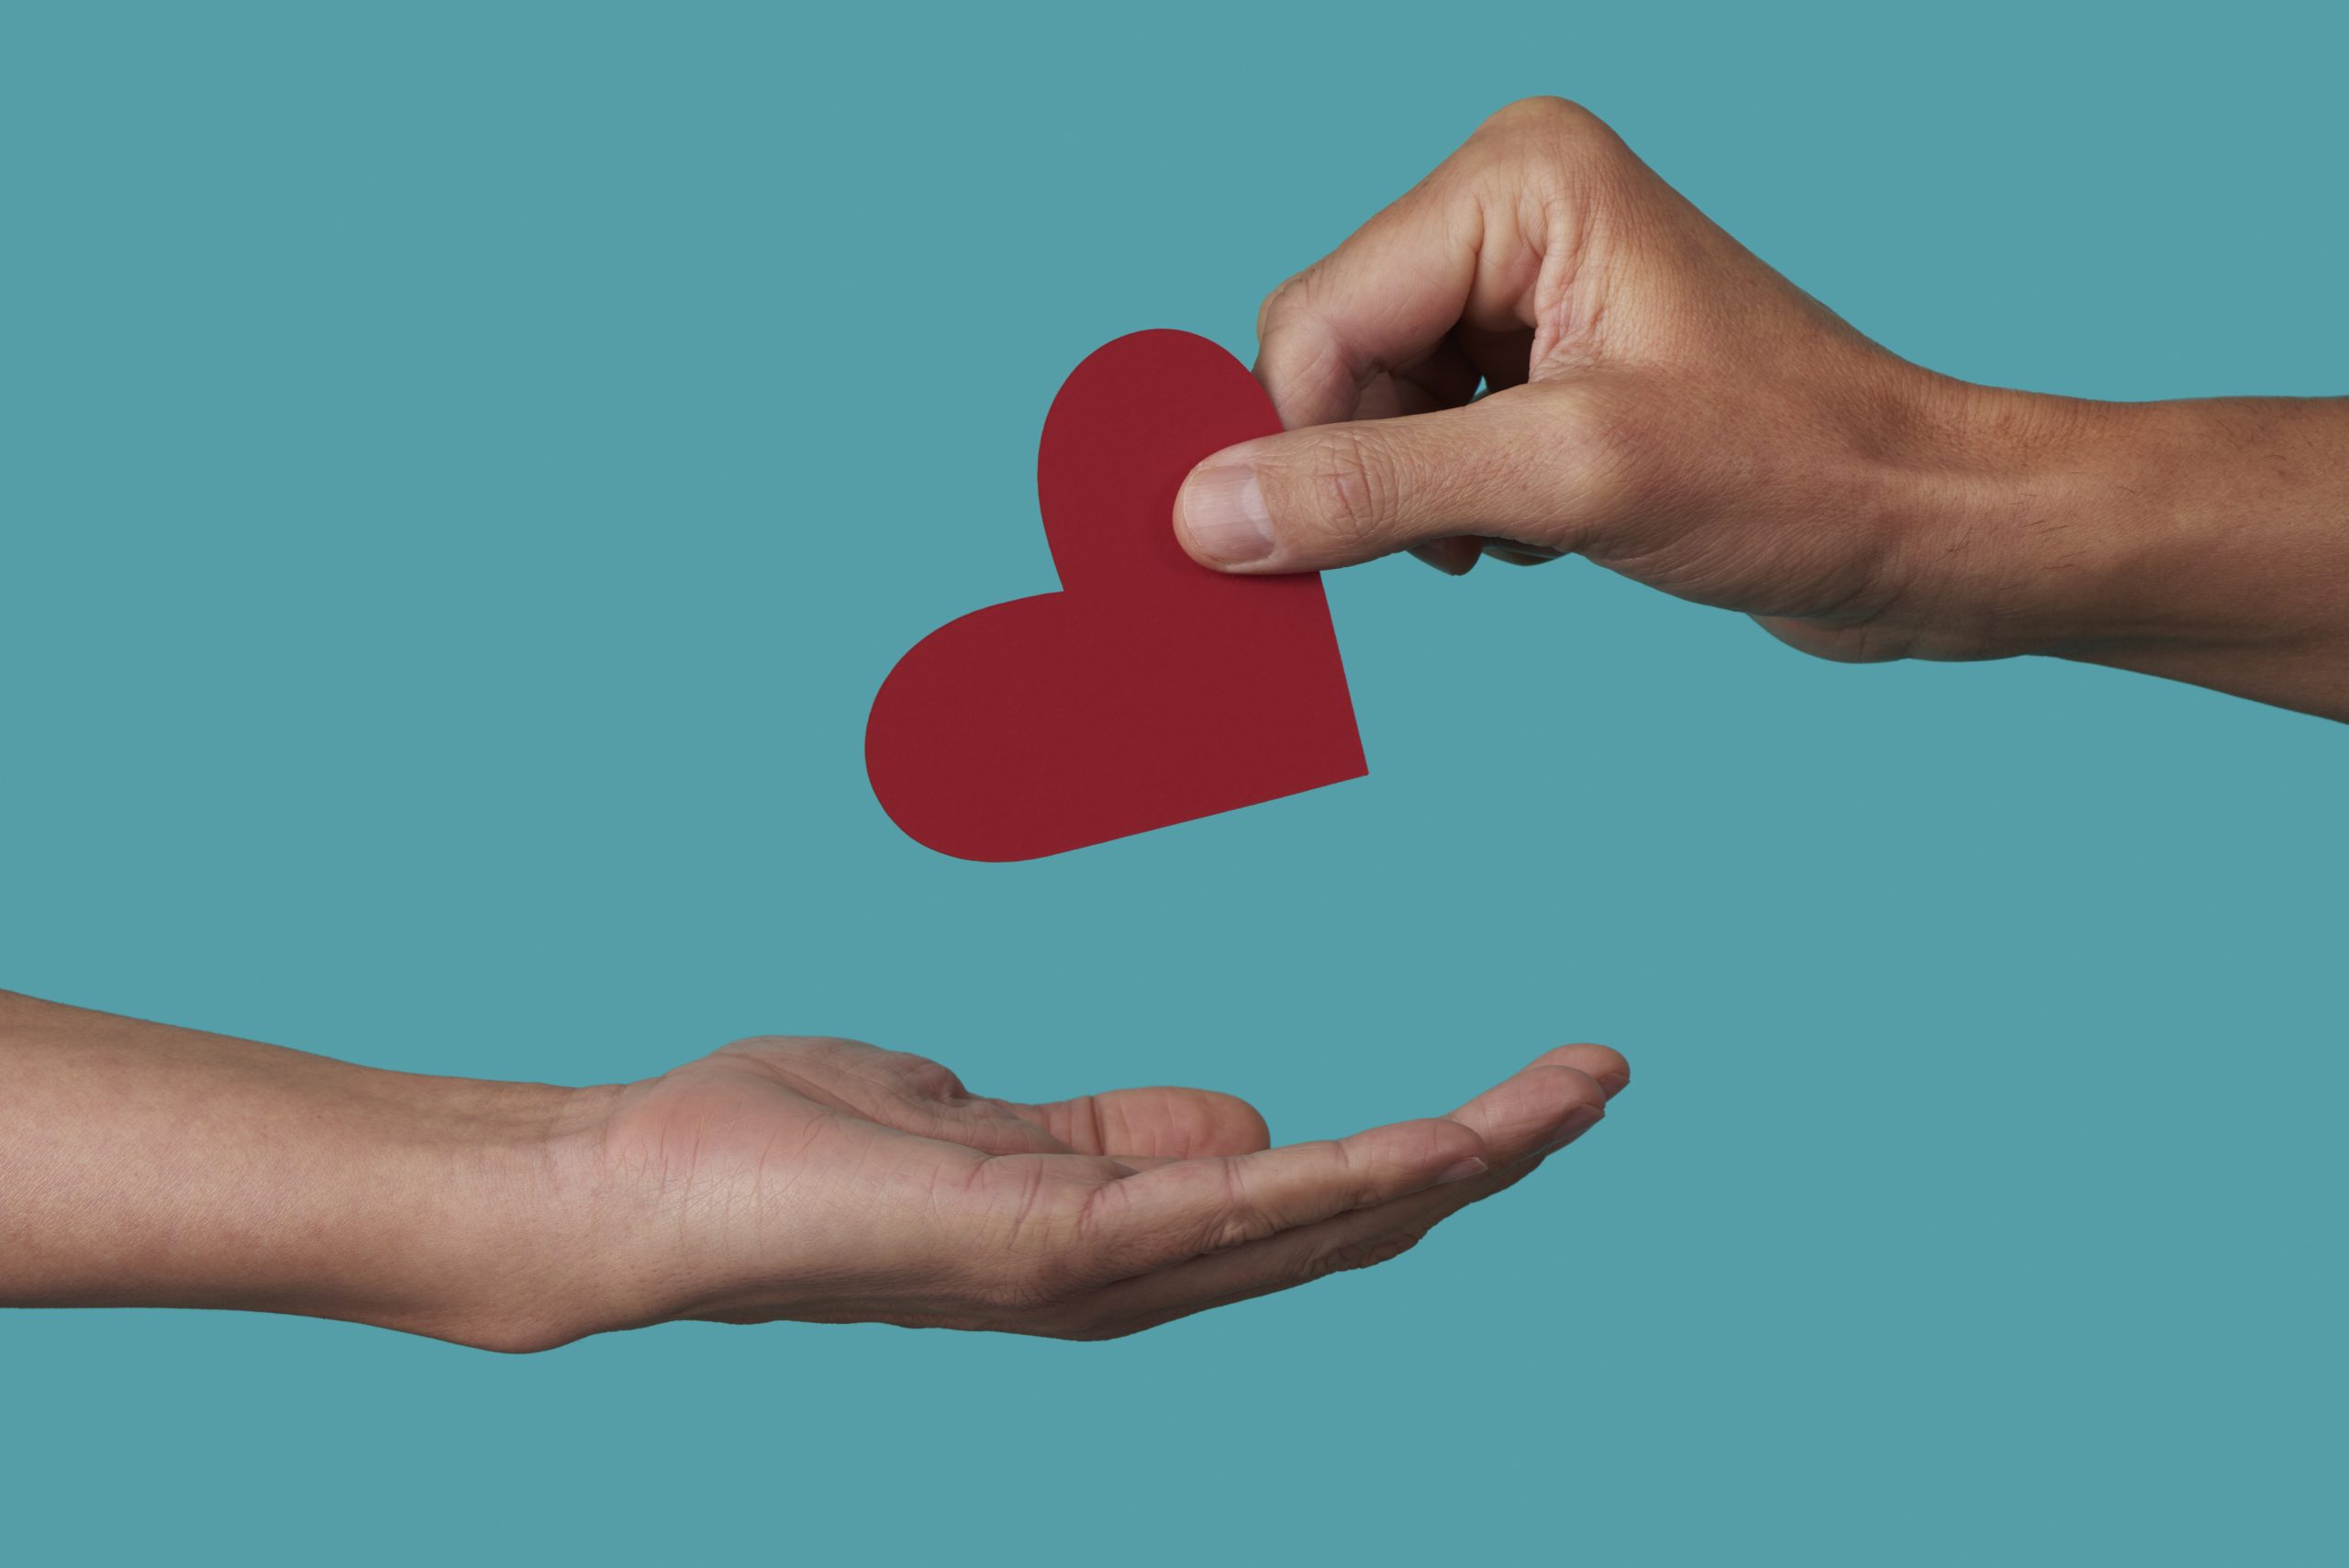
column 522, row 1244
column 2149, row 535
column 2002, row 546
column 460, row 1209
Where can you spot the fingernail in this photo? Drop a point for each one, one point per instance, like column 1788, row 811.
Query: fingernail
column 1461, row 1170
column 1222, row 511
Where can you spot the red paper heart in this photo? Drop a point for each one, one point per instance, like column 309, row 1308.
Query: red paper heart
column 1149, row 690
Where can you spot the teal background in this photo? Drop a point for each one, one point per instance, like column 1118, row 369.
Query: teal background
column 467, row 467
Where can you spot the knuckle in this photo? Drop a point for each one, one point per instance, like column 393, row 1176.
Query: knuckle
column 1237, row 1224
column 1285, row 300
column 1352, row 484
column 919, row 1075
column 1239, row 1218
column 1542, row 118
column 1036, row 1278
column 1025, row 1290
column 1234, row 1230
column 1533, row 134
column 1217, row 1212
column 1308, row 1267
column 1352, row 1255
column 1371, row 1254
column 1609, row 456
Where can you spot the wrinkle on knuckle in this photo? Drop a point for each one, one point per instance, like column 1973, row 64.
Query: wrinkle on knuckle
column 1023, row 1290
column 1086, row 1131
column 1607, row 455
column 1237, row 1219
column 1286, row 299
column 1543, row 119
column 920, row 1076
column 1385, row 1251
column 1305, row 1267
column 1351, row 1256
column 1352, row 480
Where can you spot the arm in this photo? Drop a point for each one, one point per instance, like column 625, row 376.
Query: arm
column 142, row 1165
column 1662, row 402
column 818, row 1179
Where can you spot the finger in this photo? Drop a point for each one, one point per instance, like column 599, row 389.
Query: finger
column 1300, row 1257
column 1163, row 1217
column 1446, row 380
column 1529, row 465
column 1357, row 1241
column 1152, row 1123
column 1453, row 252
column 1511, row 553
column 1503, row 359
column 1607, row 1067
column 1453, row 557
column 1519, row 1116
column 1384, row 301
column 1544, row 1106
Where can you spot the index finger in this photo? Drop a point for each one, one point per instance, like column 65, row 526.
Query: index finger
column 1465, row 247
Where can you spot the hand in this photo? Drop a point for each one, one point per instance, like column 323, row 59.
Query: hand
column 1662, row 402
column 828, row 1181
column 146, row 1165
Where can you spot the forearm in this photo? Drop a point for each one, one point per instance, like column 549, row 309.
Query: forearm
column 147, row 1165
column 2205, row 541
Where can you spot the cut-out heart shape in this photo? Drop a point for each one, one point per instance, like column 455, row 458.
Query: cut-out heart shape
column 1149, row 690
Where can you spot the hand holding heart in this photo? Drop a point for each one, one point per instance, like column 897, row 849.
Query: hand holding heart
column 1657, row 399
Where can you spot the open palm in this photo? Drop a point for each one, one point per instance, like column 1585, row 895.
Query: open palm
column 830, row 1181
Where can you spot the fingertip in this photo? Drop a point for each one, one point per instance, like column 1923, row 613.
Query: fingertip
column 1421, row 1149
column 1167, row 1122
column 1453, row 557
column 1582, row 1105
column 1449, row 1143
column 1234, row 1126
column 1220, row 517
column 1561, row 1104
column 1608, row 1067
column 1572, row 1087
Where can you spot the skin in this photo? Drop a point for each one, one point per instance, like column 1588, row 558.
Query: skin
column 777, row 1178
column 1657, row 400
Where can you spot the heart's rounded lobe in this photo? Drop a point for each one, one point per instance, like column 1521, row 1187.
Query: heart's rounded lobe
column 1149, row 690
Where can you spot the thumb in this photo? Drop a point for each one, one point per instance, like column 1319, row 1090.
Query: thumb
column 1335, row 495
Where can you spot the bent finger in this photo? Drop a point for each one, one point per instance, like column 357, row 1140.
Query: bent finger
column 1545, row 1105
column 1152, row 1124
column 1191, row 1208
